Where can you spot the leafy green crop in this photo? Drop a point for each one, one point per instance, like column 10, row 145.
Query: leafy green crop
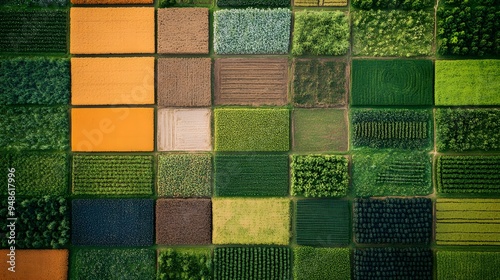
column 253, row 3
column 320, row 33
column 184, row 175
column 467, row 265
column 321, row 263
column 34, row 3
column 185, row 264
column 392, row 4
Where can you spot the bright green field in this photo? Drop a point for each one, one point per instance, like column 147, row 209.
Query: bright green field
column 467, row 265
column 321, row 263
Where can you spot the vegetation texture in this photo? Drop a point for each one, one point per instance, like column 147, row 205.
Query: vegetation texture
column 251, row 175
column 462, row 130
column 467, row 265
column 321, row 263
column 391, row 4
column 320, row 33
column 319, row 175
column 252, row 31
column 180, row 264
column 253, row 3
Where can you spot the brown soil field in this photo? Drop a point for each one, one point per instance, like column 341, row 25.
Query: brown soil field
column 183, row 221
column 112, row 30
column 110, row 2
column 183, row 30
column 184, row 82
column 184, row 130
column 241, row 81
column 35, row 264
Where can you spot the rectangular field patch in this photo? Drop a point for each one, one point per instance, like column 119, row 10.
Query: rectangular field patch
column 320, row 3
column 110, row 2
column 392, row 82
column 253, row 82
column 467, row 265
column 467, row 222
column 321, row 263
column 35, row 264
column 98, row 30
column 110, row 80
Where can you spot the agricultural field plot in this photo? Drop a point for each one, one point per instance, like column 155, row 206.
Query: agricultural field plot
column 184, row 129
column 319, row 130
column 184, row 175
column 319, row 175
column 34, row 128
column 321, row 263
column 393, row 221
column 34, row 3
column 467, row 265
column 96, row 30
column 182, row 30
column 251, row 175
column 113, row 263
column 33, row 31
column 323, row 222
column 320, row 82
column 253, row 3
column 320, row 3
column 184, row 82
column 110, row 2
column 36, row 264
column 184, row 3
column 265, row 129
column 251, row 221
column 37, row 174
column 467, row 222
column 320, row 33
column 391, row 174
column 253, row 82
column 252, row 31
column 392, row 82
column 391, row 128
column 112, row 129
column 42, row 222
column 112, row 175
column 393, row 263
column 183, row 221
column 467, row 82
column 111, row 80
column 388, row 4
column 410, row 33
column 40, row 81
column 252, row 263
column 460, row 130
column 112, row 222
column 183, row 262
column 468, row 174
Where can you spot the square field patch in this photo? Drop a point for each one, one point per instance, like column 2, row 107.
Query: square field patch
column 321, row 263
column 184, row 82
column 184, row 130
column 183, row 30
column 183, row 221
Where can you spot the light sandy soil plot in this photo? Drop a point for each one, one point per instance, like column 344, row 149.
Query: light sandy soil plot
column 103, row 81
column 184, row 82
column 112, row 30
column 35, row 264
column 184, row 130
column 241, row 81
column 183, row 30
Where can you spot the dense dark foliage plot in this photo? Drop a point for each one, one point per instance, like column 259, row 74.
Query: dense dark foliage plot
column 253, row 3
column 181, row 264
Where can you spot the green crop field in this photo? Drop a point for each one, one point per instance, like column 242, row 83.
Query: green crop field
column 391, row 4
column 391, row 173
column 251, row 175
column 253, row 3
column 184, row 263
column 321, row 263
column 265, row 129
column 467, row 82
column 467, row 265
column 391, row 82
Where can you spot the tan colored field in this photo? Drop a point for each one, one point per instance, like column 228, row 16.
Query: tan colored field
column 112, row 129
column 183, row 30
column 242, row 81
column 184, row 82
column 184, row 130
column 112, row 30
column 103, row 81
column 110, row 2
column 316, row 3
column 35, row 264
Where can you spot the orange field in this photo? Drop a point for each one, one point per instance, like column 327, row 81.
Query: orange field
column 103, row 81
column 111, row 2
column 112, row 129
column 112, row 30
column 35, row 264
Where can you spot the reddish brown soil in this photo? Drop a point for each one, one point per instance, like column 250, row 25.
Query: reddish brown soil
column 35, row 264
column 183, row 221
column 251, row 81
column 183, row 30
column 184, row 82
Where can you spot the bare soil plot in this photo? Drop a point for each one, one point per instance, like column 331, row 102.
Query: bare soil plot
column 35, row 264
column 241, row 81
column 184, row 82
column 184, row 130
column 183, row 30
column 183, row 221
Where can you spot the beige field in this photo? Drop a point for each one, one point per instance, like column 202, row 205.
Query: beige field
column 184, row 130
column 104, row 81
column 35, row 264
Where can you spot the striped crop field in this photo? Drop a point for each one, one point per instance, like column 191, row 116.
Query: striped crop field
column 468, row 174
column 468, row 222
column 112, row 175
column 467, row 265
